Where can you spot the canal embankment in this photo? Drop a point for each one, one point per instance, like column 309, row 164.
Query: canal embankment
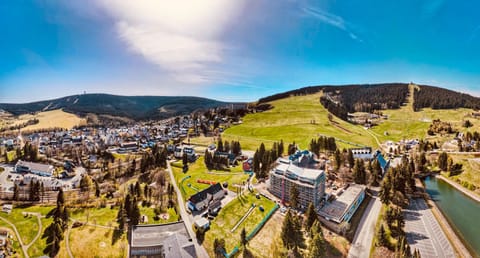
column 456, row 213
column 457, row 243
column 460, row 188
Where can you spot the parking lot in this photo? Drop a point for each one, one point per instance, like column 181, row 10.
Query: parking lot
column 424, row 232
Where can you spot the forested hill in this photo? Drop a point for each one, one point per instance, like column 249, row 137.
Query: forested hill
column 134, row 107
column 341, row 100
column 439, row 98
column 344, row 99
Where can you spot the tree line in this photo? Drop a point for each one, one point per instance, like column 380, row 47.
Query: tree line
column 341, row 100
column 439, row 98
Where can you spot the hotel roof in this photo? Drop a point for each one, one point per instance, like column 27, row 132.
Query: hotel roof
column 336, row 209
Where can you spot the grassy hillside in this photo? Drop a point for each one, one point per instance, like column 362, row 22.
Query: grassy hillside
column 292, row 119
column 47, row 119
column 404, row 123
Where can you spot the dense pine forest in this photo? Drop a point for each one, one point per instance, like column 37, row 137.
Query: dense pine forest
column 439, row 98
column 341, row 100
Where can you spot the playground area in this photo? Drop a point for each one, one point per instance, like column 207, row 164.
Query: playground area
column 198, row 177
column 244, row 211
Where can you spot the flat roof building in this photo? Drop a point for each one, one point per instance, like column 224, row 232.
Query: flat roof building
column 164, row 240
column 310, row 183
column 34, row 168
column 344, row 206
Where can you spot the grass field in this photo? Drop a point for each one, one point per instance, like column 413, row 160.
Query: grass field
column 198, row 170
column 99, row 216
column 471, row 170
column 47, row 119
column 230, row 215
column 28, row 226
column 291, row 120
column 88, row 242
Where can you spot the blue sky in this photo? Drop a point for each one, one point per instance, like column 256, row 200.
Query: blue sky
column 232, row 50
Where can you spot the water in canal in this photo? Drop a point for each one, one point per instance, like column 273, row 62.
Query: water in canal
column 460, row 210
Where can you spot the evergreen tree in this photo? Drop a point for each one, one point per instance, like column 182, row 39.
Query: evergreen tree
column 243, row 237
column 135, row 216
column 360, row 176
column 310, row 217
column 317, row 247
column 338, row 160
column 382, row 236
column 443, row 161
column 121, row 218
column 15, row 192
column 97, row 189
column 385, row 191
column 219, row 248
column 294, row 197
column 350, row 159
column 220, row 145
column 288, row 231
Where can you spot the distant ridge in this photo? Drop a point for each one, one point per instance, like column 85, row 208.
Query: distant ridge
column 133, row 107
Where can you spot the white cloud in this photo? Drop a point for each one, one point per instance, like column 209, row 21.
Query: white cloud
column 181, row 37
column 330, row 19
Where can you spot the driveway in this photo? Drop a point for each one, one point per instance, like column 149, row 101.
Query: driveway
column 366, row 230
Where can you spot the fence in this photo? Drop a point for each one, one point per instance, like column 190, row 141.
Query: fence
column 254, row 231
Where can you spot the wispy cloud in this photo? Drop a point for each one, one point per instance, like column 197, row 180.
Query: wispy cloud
column 331, row 19
column 182, row 37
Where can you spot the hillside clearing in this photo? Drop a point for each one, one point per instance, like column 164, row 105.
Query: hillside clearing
column 299, row 119
column 48, row 119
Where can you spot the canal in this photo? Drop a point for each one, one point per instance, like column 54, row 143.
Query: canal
column 462, row 212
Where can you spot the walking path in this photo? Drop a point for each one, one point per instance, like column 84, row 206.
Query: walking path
column 362, row 241
column 24, row 249
column 67, row 242
column 40, row 229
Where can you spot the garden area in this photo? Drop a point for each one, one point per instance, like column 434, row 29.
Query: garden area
column 189, row 182
column 230, row 219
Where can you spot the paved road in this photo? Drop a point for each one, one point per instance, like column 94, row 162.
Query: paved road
column 366, row 230
column 201, row 252
column 424, row 232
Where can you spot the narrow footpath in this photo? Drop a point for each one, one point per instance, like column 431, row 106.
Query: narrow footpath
column 24, row 249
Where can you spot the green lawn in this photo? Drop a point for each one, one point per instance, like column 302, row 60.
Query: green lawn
column 89, row 241
column 28, row 226
column 291, row 120
column 230, row 215
column 99, row 216
column 198, row 170
column 470, row 173
column 172, row 216
column 16, row 243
